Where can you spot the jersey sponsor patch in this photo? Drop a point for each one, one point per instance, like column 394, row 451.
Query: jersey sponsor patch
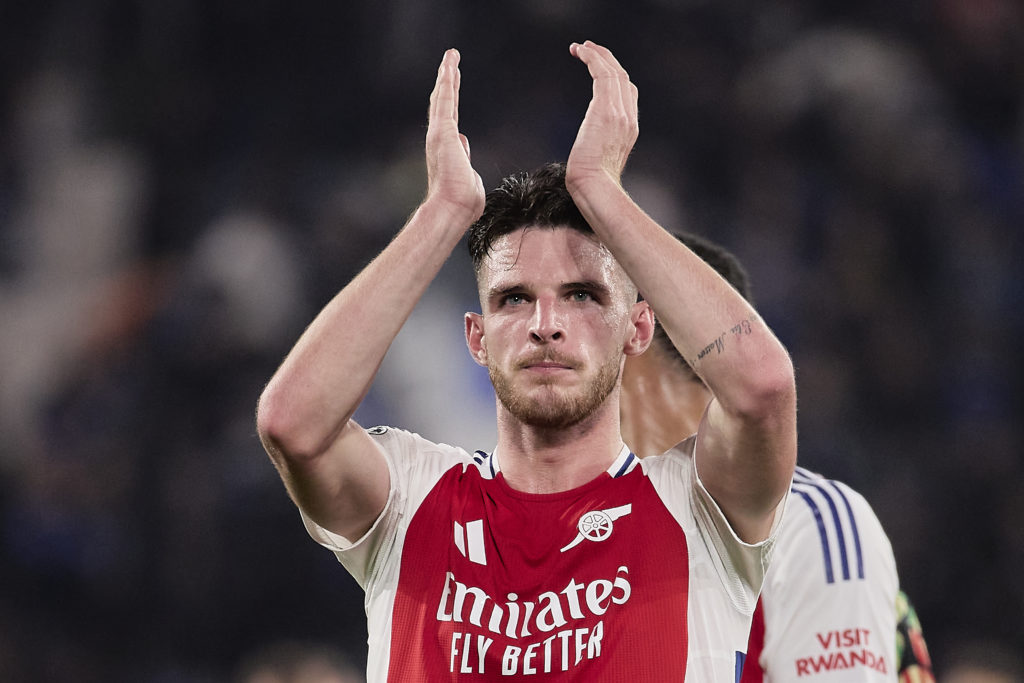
column 842, row 650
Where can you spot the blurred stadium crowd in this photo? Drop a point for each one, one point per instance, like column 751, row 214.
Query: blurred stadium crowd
column 183, row 185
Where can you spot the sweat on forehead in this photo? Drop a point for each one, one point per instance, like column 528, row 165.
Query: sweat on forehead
column 551, row 255
column 506, row 250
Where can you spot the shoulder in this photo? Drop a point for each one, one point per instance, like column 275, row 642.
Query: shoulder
column 675, row 459
column 394, row 438
column 816, row 495
column 829, row 522
column 410, row 455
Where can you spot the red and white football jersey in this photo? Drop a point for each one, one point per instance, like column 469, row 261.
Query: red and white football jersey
column 635, row 575
column 828, row 607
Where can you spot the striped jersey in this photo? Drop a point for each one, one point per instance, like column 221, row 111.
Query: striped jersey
column 827, row 609
column 635, row 575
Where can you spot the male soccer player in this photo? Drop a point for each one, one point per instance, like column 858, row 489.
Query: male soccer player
column 558, row 555
column 829, row 607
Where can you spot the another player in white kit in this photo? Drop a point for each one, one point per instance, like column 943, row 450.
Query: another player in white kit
column 828, row 607
column 558, row 555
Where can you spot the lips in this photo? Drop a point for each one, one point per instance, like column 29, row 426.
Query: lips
column 547, row 363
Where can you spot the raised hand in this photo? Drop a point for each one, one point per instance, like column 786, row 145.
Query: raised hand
column 450, row 175
column 610, row 127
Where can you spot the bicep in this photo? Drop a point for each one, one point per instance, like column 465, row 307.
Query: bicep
column 746, row 465
column 345, row 488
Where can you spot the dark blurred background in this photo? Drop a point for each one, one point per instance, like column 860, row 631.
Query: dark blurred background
column 184, row 184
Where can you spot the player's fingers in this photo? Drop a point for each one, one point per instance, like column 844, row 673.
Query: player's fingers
column 597, row 63
column 605, row 82
column 629, row 91
column 611, row 82
column 432, row 106
column 443, row 98
column 438, row 84
column 457, row 87
column 605, row 54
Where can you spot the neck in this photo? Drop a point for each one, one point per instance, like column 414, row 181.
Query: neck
column 663, row 402
column 550, row 460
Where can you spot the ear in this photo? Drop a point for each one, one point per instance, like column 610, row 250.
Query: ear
column 475, row 338
column 642, row 318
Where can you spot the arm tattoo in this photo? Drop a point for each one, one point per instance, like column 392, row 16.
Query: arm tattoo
column 718, row 344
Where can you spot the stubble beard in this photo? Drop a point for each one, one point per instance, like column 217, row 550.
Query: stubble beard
column 558, row 408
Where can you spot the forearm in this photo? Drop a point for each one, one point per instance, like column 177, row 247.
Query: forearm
column 327, row 373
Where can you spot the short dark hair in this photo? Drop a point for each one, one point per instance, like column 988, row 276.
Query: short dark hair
column 537, row 198
column 725, row 264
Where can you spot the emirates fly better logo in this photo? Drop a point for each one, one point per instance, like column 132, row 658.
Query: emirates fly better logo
column 597, row 525
column 553, row 630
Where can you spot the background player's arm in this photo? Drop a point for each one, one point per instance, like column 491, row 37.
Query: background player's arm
column 331, row 467
column 746, row 443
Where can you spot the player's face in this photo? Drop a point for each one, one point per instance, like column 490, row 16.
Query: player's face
column 558, row 311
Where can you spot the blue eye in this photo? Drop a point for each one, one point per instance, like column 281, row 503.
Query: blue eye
column 514, row 299
column 581, row 295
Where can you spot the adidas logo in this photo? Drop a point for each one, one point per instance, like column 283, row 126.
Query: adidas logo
column 470, row 541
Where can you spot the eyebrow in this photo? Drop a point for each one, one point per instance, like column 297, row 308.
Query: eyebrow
column 502, row 291
column 589, row 285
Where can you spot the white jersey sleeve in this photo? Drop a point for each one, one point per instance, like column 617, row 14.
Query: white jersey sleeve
column 414, row 465
column 829, row 598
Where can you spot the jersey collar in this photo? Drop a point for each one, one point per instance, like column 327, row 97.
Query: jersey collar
column 490, row 466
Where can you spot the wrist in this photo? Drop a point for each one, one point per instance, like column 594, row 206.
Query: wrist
column 592, row 183
column 593, row 189
column 452, row 215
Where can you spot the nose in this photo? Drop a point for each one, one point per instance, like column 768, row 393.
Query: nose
column 547, row 325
